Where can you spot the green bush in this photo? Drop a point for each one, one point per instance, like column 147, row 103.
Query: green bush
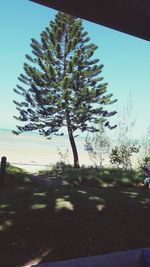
column 56, row 169
column 94, row 176
column 83, row 176
column 16, row 176
column 121, row 155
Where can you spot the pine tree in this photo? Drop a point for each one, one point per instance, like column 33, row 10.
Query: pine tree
column 62, row 86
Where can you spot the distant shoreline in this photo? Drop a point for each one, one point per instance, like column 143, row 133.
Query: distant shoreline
column 34, row 152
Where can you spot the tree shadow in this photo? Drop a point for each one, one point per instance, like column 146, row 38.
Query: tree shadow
column 48, row 224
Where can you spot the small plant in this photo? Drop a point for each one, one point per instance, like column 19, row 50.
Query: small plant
column 121, row 155
column 56, row 169
column 64, row 157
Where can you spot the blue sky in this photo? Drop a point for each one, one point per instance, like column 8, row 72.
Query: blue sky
column 126, row 60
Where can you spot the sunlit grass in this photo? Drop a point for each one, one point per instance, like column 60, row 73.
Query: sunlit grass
column 146, row 201
column 38, row 206
column 132, row 194
column 95, row 198
column 40, row 194
column 100, row 207
column 3, row 206
column 61, row 203
column 7, row 224
column 82, row 192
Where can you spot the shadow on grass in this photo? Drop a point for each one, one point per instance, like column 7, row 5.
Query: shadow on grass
column 46, row 224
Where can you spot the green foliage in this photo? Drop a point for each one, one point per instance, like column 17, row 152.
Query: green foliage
column 83, row 176
column 94, row 176
column 141, row 162
column 146, row 160
column 13, row 170
column 62, row 83
column 121, row 155
column 56, row 169
column 16, row 176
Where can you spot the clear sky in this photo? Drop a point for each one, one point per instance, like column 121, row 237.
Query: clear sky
column 126, row 59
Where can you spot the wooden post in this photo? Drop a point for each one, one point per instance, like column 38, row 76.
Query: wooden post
column 3, row 172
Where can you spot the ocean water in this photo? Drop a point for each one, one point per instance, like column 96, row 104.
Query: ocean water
column 33, row 152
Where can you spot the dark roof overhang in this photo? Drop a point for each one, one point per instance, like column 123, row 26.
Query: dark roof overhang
column 128, row 16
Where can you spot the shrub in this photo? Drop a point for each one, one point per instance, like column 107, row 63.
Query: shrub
column 16, row 175
column 94, row 176
column 121, row 155
column 83, row 176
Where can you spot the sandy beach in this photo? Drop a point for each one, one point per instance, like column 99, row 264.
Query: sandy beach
column 33, row 152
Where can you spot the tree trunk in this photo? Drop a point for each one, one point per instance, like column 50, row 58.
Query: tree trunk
column 72, row 142
column 74, row 149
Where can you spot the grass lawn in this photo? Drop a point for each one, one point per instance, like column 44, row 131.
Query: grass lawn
column 64, row 222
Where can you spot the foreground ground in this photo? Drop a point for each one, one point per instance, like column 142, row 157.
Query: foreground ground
column 40, row 223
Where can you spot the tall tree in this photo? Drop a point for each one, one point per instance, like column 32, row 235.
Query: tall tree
column 62, row 86
column 98, row 146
